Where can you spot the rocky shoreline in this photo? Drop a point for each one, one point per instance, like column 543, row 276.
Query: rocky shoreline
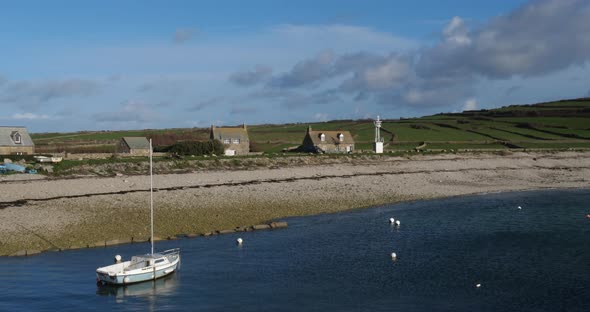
column 59, row 214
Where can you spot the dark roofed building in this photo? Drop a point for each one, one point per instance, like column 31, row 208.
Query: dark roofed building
column 15, row 141
column 328, row 141
column 134, row 145
column 234, row 139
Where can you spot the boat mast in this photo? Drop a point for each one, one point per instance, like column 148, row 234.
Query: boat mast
column 151, row 200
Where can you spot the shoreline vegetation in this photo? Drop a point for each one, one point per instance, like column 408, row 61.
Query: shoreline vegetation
column 40, row 213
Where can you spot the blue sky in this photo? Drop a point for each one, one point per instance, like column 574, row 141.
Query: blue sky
column 106, row 65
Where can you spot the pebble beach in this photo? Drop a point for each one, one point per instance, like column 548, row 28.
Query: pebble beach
column 39, row 214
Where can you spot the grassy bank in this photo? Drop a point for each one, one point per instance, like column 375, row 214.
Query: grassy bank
column 545, row 125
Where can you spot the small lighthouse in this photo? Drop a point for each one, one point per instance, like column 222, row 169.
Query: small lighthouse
column 378, row 146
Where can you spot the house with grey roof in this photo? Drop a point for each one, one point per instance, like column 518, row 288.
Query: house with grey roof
column 15, row 141
column 139, row 146
column 234, row 139
column 328, row 141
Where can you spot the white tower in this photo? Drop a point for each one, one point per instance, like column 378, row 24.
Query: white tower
column 378, row 146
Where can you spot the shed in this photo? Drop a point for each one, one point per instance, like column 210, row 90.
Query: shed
column 134, row 145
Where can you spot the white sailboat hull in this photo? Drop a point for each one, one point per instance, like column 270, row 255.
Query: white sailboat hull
column 140, row 268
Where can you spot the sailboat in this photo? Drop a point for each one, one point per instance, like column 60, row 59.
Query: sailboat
column 143, row 267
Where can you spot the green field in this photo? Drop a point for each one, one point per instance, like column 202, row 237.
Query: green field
column 558, row 125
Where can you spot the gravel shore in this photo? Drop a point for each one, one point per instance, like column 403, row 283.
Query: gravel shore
column 39, row 214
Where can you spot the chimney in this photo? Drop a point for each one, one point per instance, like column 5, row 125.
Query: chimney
column 308, row 129
column 244, row 125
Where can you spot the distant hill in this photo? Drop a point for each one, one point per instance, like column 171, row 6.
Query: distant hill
column 553, row 125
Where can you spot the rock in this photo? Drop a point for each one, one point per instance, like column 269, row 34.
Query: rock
column 8, row 161
column 192, row 235
column 117, row 242
column 31, row 252
column 119, row 174
column 156, row 239
column 98, row 244
column 278, row 224
column 261, row 227
column 172, row 238
column 226, row 231
column 207, row 234
column 19, row 253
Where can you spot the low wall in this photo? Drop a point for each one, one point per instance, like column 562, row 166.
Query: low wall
column 71, row 156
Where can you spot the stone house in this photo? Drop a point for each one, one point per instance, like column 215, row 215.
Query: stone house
column 15, row 141
column 328, row 141
column 234, row 139
column 139, row 146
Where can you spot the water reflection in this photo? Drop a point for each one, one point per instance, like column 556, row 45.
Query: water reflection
column 162, row 286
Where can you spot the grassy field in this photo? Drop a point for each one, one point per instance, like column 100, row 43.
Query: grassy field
column 559, row 125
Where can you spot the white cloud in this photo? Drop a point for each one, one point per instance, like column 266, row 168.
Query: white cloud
column 29, row 116
column 344, row 38
column 321, row 116
column 470, row 104
column 131, row 111
column 456, row 32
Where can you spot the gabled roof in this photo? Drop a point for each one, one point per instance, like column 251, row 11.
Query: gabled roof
column 137, row 142
column 229, row 133
column 7, row 136
column 331, row 137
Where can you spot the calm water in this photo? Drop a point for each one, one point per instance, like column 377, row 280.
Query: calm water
column 533, row 259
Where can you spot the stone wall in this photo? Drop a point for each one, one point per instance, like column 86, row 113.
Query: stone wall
column 101, row 155
column 243, row 148
column 11, row 150
column 336, row 148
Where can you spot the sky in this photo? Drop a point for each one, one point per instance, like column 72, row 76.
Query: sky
column 116, row 65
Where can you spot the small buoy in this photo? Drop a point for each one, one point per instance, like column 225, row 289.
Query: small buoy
column 117, row 259
column 239, row 241
column 478, row 285
column 519, row 207
column 397, row 222
column 588, row 216
column 126, row 280
column 391, row 220
column 393, row 256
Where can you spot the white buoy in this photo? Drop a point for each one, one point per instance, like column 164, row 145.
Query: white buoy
column 117, row 259
column 239, row 241
column 397, row 222
column 478, row 285
column 393, row 256
column 391, row 220
column 519, row 207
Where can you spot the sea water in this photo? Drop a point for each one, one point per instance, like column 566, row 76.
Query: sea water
column 536, row 258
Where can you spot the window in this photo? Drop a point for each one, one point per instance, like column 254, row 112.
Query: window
column 16, row 137
column 236, row 141
column 322, row 137
column 160, row 260
column 225, row 141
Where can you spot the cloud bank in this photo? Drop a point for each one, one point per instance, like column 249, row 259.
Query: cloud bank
column 539, row 38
